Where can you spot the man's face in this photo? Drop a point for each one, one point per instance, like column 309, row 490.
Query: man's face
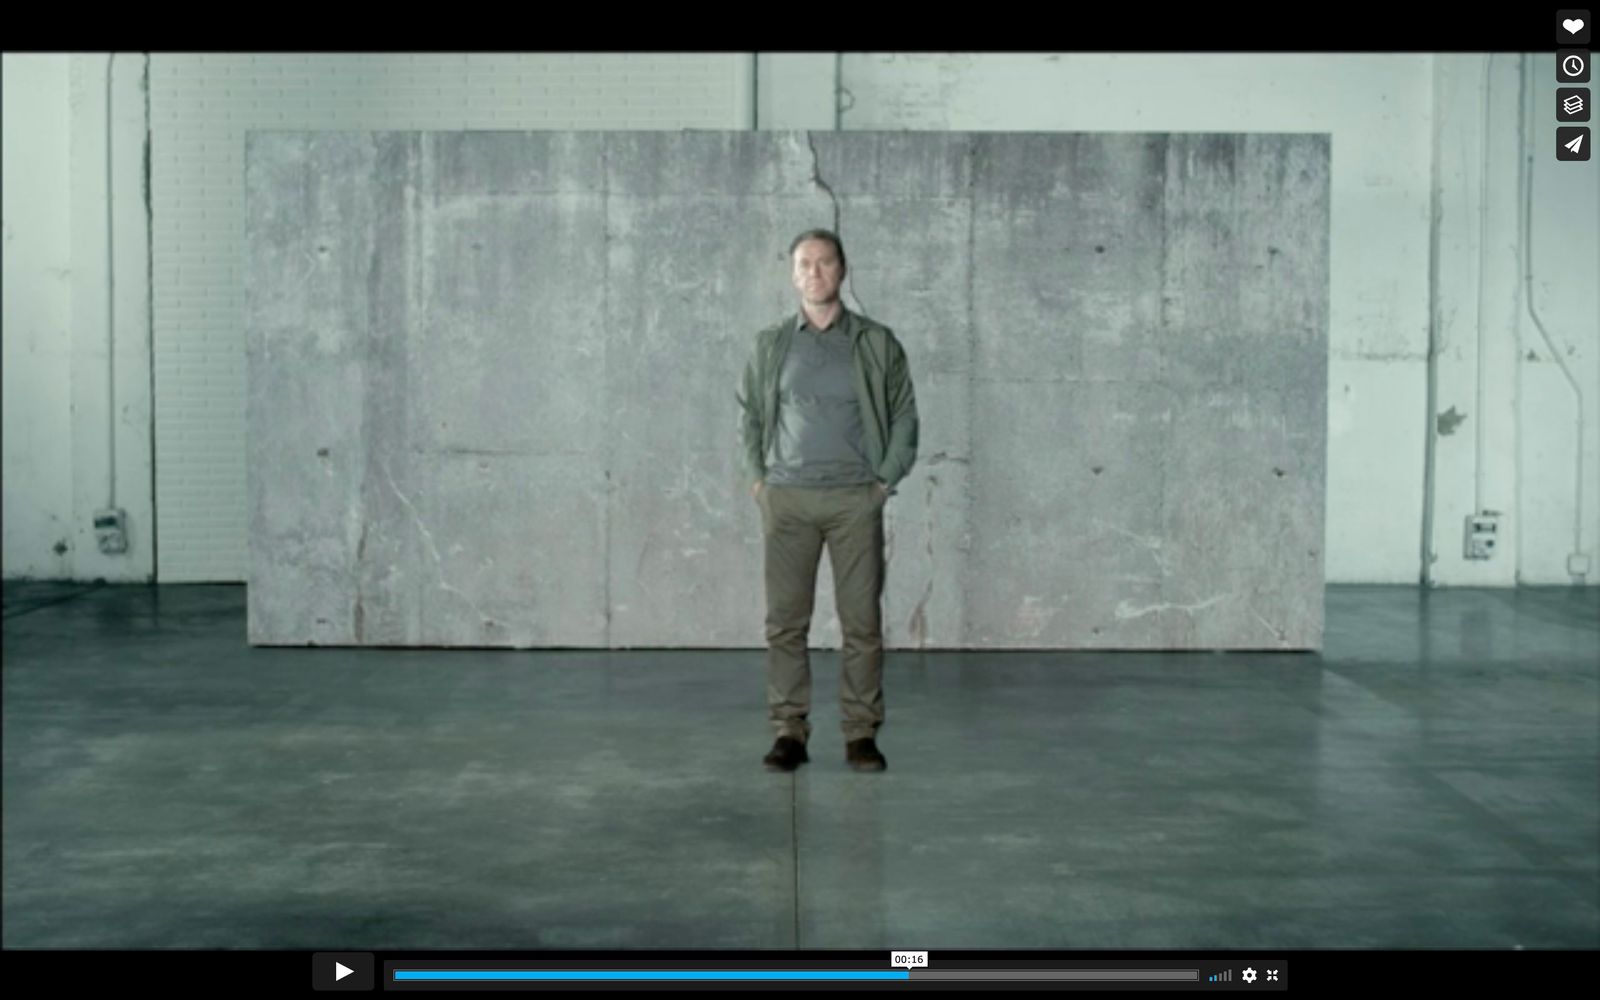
column 817, row 272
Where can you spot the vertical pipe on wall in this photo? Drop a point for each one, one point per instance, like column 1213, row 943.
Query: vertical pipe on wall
column 1430, row 430
column 743, row 74
column 150, row 317
column 111, row 295
column 1483, row 268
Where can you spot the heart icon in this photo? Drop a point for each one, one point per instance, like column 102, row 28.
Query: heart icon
column 1572, row 24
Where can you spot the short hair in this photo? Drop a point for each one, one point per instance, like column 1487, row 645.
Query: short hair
column 820, row 234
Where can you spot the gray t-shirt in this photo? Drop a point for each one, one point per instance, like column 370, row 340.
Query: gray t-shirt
column 819, row 439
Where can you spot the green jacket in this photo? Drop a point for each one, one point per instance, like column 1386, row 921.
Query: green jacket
column 883, row 385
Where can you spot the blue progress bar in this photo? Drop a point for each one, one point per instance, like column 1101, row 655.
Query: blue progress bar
column 459, row 975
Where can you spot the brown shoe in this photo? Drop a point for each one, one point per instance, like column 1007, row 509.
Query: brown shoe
column 863, row 755
column 786, row 754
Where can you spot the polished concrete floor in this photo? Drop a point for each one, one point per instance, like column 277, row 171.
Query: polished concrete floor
column 1431, row 780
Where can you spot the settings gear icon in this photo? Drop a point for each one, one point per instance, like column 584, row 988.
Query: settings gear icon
column 1249, row 975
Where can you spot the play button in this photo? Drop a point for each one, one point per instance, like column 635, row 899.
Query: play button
column 342, row 970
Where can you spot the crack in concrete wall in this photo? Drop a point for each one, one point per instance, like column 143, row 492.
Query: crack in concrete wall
column 438, row 560
column 838, row 221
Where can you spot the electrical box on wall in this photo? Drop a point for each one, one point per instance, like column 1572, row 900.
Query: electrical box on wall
column 110, row 530
column 1483, row 532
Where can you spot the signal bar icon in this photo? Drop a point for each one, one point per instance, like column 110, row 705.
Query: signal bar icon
column 1225, row 976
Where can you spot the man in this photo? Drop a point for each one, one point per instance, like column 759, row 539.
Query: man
column 828, row 428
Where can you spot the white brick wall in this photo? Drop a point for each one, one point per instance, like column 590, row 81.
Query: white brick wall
column 200, row 108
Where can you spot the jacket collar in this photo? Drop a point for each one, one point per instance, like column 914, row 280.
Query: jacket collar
column 846, row 321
